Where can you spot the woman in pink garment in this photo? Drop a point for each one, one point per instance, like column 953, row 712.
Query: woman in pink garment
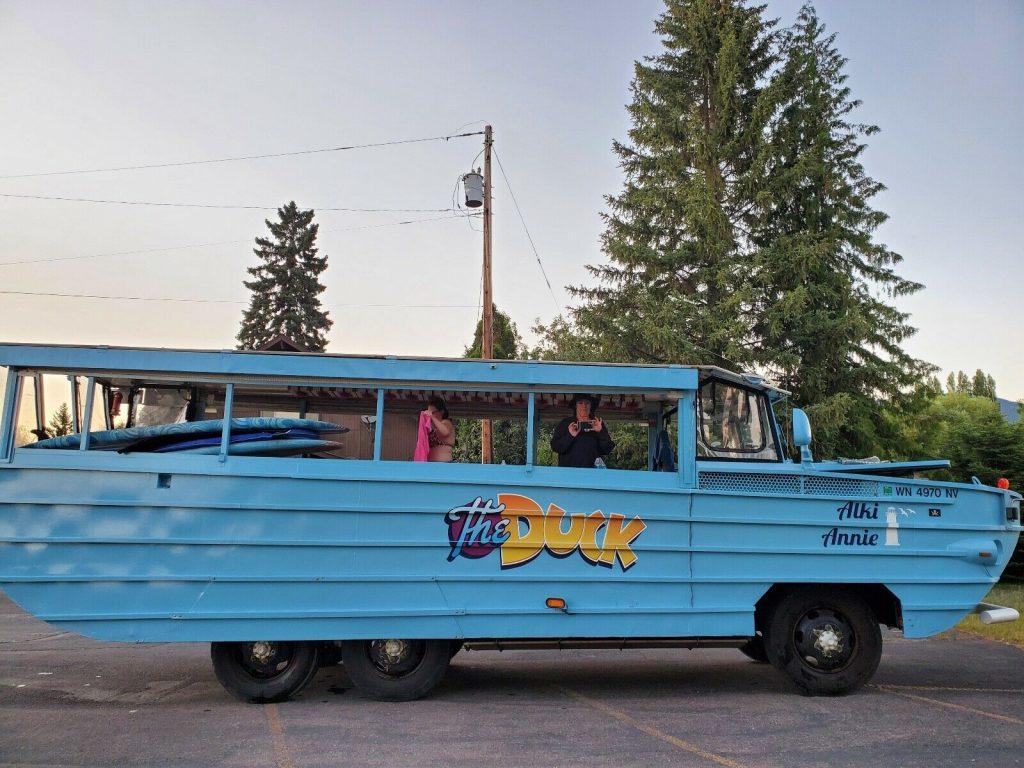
column 442, row 434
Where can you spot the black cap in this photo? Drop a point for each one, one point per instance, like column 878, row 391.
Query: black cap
column 593, row 399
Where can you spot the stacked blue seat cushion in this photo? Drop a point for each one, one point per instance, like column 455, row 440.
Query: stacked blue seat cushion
column 253, row 436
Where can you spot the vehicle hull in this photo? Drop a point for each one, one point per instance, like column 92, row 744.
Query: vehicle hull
column 140, row 548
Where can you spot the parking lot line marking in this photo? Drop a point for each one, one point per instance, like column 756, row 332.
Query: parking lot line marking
column 281, row 756
column 951, row 705
column 629, row 720
column 953, row 688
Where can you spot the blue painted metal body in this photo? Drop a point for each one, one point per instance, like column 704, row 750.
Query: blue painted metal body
column 172, row 547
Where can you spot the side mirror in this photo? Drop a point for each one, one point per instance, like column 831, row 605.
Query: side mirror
column 802, row 434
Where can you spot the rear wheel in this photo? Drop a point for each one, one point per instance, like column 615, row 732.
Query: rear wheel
column 827, row 641
column 264, row 671
column 396, row 670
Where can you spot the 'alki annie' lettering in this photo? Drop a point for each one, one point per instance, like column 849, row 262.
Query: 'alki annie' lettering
column 858, row 510
column 860, row 538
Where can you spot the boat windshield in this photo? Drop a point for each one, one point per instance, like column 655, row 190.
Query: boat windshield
column 734, row 423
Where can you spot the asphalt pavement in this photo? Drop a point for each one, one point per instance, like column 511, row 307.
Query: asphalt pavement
column 69, row 701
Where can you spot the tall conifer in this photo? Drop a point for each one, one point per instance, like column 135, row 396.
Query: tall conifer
column 285, row 285
column 674, row 287
column 826, row 320
column 508, row 435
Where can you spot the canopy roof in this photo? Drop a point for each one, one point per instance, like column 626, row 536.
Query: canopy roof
column 332, row 370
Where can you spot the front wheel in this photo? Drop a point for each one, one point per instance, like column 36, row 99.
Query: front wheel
column 263, row 672
column 396, row 670
column 827, row 641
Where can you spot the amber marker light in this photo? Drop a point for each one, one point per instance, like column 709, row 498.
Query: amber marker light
column 1003, row 484
column 557, row 603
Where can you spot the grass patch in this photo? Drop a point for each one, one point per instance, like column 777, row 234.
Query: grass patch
column 1010, row 595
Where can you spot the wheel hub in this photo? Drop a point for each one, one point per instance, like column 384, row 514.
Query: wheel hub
column 824, row 639
column 396, row 657
column 395, row 650
column 827, row 640
column 264, row 659
column 262, row 651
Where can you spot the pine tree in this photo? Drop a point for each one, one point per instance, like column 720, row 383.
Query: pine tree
column 825, row 325
column 61, row 422
column 963, row 384
column 285, row 285
column 508, row 344
column 983, row 385
column 508, row 436
column 674, row 287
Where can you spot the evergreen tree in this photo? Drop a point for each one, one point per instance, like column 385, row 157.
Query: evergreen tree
column 823, row 320
column 963, row 384
column 508, row 344
column 979, row 385
column 983, row 385
column 61, row 422
column 674, row 287
column 508, row 436
column 285, row 285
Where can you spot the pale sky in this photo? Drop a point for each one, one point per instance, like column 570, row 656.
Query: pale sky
column 88, row 85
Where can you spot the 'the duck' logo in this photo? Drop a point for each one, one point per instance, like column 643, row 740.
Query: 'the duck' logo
column 521, row 530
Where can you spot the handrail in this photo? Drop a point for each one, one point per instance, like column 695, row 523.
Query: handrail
column 225, row 435
column 90, row 396
column 378, row 426
column 10, row 412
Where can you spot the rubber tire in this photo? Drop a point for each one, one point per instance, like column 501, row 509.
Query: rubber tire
column 781, row 648
column 754, row 649
column 373, row 683
column 240, row 684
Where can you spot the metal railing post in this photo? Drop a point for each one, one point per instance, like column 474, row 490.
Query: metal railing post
column 378, row 427
column 10, row 414
column 686, row 418
column 531, row 431
column 225, row 433
column 90, row 396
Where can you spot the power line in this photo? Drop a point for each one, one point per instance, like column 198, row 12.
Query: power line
column 527, row 231
column 222, row 301
column 238, row 158
column 226, row 242
column 119, row 253
column 218, row 206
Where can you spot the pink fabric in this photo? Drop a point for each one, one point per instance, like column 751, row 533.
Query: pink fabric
column 422, row 452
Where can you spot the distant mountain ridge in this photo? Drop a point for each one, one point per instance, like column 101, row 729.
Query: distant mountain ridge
column 1009, row 409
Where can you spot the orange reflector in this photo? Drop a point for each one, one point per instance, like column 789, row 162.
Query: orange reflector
column 984, row 554
column 1003, row 484
column 555, row 602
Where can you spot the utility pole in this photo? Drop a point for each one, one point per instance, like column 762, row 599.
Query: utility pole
column 487, row 340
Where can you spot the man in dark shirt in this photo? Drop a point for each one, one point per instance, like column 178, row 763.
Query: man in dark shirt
column 581, row 438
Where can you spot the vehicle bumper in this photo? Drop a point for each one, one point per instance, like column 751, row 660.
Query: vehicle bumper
column 995, row 614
